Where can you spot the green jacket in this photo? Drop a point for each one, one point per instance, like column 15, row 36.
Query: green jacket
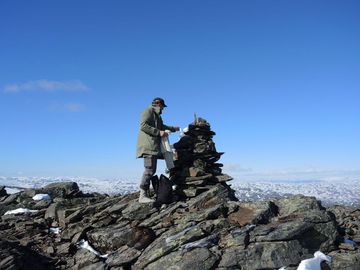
column 148, row 142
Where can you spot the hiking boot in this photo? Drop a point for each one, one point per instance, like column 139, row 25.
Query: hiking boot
column 144, row 196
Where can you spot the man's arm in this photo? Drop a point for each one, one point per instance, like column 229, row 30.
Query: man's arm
column 171, row 128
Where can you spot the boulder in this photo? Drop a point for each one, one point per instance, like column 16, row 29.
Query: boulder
column 196, row 259
column 62, row 190
column 253, row 213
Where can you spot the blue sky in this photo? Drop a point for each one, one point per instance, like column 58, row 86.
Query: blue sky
column 278, row 81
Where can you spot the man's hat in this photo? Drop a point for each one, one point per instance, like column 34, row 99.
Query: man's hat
column 159, row 100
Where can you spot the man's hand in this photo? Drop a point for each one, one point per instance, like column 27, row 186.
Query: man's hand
column 176, row 128
column 163, row 133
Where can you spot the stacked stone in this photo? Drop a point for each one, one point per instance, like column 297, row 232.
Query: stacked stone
column 196, row 166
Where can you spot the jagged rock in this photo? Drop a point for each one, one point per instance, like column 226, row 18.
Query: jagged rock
column 158, row 217
column 216, row 195
column 268, row 255
column 253, row 213
column 84, row 258
column 196, row 259
column 138, row 211
column 111, row 238
column 62, row 190
column 169, row 241
column 193, row 192
column 51, row 212
column 123, row 256
column 41, row 204
column 349, row 260
column 348, row 219
column 222, row 178
column 3, row 191
column 13, row 256
column 10, row 199
column 66, row 216
column 238, row 238
column 73, row 229
column 296, row 204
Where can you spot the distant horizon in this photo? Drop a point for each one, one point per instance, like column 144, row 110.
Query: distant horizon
column 275, row 177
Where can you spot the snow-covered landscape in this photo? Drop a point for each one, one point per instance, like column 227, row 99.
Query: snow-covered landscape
column 344, row 192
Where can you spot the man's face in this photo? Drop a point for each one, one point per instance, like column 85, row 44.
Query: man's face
column 160, row 105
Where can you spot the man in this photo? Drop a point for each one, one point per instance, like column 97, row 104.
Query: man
column 148, row 144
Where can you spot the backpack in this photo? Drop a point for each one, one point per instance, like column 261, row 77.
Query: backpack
column 163, row 189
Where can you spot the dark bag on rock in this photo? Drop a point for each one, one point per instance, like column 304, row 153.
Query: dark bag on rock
column 163, row 191
column 155, row 183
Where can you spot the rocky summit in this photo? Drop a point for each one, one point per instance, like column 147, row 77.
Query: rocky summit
column 204, row 227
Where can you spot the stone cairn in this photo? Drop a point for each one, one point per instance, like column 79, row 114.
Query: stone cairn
column 196, row 166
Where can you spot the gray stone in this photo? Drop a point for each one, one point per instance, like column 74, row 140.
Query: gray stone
column 253, row 213
column 51, row 211
column 62, row 189
column 111, row 238
column 94, row 266
column 349, row 260
column 83, row 258
column 268, row 255
column 122, row 256
column 222, row 178
column 295, row 204
column 217, row 194
column 138, row 211
column 156, row 218
column 196, row 259
column 169, row 241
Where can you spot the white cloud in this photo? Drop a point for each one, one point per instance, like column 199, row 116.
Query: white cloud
column 74, row 107
column 46, row 86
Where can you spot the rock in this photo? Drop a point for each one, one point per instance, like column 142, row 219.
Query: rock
column 296, row 204
column 222, row 178
column 124, row 255
column 77, row 229
column 156, row 219
column 349, row 260
column 193, row 192
column 64, row 248
column 10, row 199
column 216, row 195
column 238, row 237
column 138, row 211
column 66, row 216
column 51, row 212
column 41, row 204
column 3, row 191
column 111, row 238
column 253, row 213
column 141, row 237
column 62, row 189
column 13, row 256
column 310, row 234
column 169, row 241
column 85, row 258
column 95, row 266
column 268, row 255
column 348, row 219
column 196, row 259
column 347, row 246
